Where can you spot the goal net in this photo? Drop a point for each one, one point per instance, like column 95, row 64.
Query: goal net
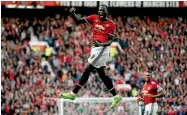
column 93, row 106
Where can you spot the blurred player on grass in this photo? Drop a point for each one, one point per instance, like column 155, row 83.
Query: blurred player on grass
column 151, row 91
column 103, row 34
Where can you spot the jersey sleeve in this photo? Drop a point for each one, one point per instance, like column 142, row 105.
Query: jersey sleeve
column 91, row 18
column 112, row 29
column 159, row 88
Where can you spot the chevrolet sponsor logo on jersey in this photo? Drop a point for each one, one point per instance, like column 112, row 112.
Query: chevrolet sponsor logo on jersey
column 100, row 27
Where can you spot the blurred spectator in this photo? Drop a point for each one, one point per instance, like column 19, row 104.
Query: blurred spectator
column 27, row 76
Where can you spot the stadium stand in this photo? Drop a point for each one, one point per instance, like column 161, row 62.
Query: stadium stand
column 41, row 57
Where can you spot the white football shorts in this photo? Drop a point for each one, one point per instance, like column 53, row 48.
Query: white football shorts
column 151, row 109
column 99, row 56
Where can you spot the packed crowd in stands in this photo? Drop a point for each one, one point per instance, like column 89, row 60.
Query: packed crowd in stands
column 28, row 75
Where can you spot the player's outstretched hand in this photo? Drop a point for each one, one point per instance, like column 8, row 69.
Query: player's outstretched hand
column 72, row 10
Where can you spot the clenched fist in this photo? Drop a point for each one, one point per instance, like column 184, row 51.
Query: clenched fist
column 139, row 99
column 72, row 10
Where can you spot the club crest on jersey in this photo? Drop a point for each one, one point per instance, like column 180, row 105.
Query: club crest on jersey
column 100, row 27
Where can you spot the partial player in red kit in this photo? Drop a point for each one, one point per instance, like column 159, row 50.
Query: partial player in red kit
column 103, row 30
column 151, row 91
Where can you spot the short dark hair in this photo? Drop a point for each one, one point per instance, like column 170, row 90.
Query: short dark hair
column 150, row 72
column 105, row 6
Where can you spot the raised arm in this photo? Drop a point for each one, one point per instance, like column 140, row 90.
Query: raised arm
column 76, row 17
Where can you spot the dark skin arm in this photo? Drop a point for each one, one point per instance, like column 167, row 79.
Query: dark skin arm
column 76, row 17
column 160, row 94
column 108, row 43
column 82, row 20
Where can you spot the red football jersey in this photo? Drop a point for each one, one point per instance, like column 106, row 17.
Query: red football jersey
column 150, row 88
column 101, row 29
